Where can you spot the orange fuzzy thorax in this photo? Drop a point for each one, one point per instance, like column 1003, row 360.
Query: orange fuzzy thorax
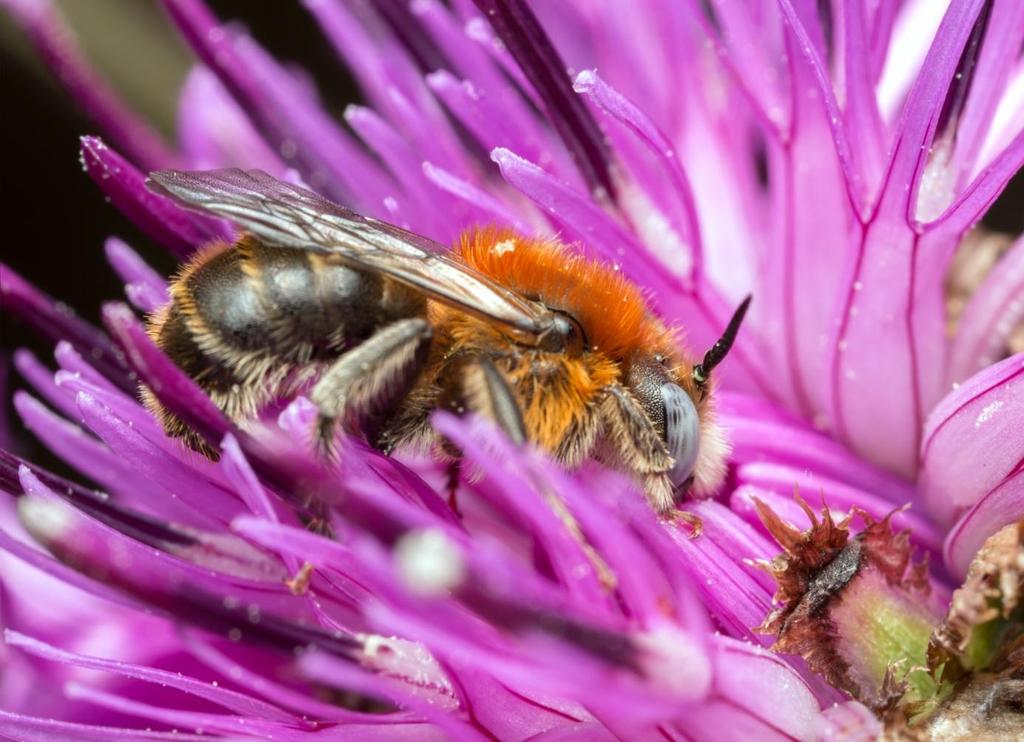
column 611, row 309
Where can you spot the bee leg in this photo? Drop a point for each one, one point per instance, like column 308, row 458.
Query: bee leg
column 639, row 447
column 478, row 387
column 453, row 473
column 316, row 517
column 483, row 390
column 364, row 382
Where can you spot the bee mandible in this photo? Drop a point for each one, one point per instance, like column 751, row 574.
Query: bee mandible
column 385, row 326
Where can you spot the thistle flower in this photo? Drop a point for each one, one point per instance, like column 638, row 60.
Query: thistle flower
column 832, row 163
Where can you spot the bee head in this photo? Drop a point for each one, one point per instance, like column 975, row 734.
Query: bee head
column 672, row 411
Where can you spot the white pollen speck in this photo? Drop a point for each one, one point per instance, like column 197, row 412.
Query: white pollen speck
column 987, row 412
column 428, row 562
column 505, row 246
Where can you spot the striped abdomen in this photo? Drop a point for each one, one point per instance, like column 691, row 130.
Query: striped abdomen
column 248, row 322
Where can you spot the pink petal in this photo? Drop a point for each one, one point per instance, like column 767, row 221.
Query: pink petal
column 41, row 378
column 849, row 721
column 762, row 697
column 917, row 125
column 148, row 287
column 736, row 597
column 175, row 390
column 335, row 673
column 279, row 694
column 224, row 724
column 972, row 203
column 56, row 321
column 173, row 484
column 1000, row 506
column 990, row 317
column 1004, row 34
column 239, row 703
column 470, row 61
column 862, row 113
column 807, row 67
column 34, row 729
column 624, row 111
column 876, row 399
column 72, row 362
column 405, row 166
column 485, row 207
column 759, row 439
column 973, row 440
column 390, row 80
column 282, row 109
column 87, row 454
column 214, row 131
column 481, row 112
column 179, row 231
column 526, row 40
column 749, row 45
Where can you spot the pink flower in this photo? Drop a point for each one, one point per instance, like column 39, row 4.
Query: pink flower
column 829, row 164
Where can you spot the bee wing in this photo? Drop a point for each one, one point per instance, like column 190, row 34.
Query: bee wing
column 291, row 216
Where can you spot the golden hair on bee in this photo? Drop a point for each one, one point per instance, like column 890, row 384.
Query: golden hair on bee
column 610, row 306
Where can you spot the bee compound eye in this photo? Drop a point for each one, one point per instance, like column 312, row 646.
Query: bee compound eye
column 682, row 431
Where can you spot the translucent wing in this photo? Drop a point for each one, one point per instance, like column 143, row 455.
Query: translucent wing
column 290, row 216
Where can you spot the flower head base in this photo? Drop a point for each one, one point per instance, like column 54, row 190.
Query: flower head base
column 830, row 166
column 857, row 610
column 852, row 606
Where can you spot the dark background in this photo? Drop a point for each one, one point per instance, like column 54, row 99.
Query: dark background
column 55, row 220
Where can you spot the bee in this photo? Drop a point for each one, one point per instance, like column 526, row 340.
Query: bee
column 383, row 327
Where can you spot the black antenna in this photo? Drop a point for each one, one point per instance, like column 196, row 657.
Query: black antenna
column 702, row 371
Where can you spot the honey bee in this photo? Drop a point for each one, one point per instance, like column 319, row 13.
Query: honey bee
column 384, row 326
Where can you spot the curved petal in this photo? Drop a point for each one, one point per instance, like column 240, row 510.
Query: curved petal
column 56, row 322
column 286, row 113
column 762, row 697
column 176, row 229
column 391, row 81
column 1002, row 505
column 973, row 440
column 629, row 115
column 990, row 317
column 239, row 703
column 972, row 203
column 171, row 386
column 144, row 286
column 213, row 130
